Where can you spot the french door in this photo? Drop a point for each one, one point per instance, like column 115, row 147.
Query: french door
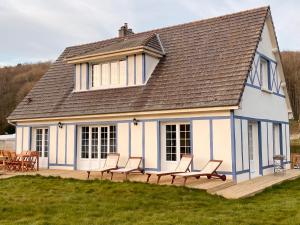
column 42, row 145
column 176, row 140
column 95, row 143
column 253, row 146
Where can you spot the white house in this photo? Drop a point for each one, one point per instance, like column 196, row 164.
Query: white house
column 214, row 88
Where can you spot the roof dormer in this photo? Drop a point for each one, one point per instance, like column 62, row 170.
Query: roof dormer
column 129, row 61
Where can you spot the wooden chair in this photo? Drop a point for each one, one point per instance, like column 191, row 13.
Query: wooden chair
column 111, row 163
column 30, row 160
column 132, row 165
column 209, row 171
column 182, row 167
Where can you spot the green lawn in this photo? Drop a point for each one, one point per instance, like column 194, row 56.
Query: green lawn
column 40, row 200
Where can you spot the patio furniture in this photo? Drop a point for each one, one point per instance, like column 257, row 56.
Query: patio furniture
column 30, row 161
column 132, row 165
column 278, row 164
column 182, row 167
column 111, row 163
column 209, row 170
column 295, row 158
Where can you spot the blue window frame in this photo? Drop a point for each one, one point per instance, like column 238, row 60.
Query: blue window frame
column 265, row 74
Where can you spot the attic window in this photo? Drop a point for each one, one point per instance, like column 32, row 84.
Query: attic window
column 108, row 74
column 265, row 74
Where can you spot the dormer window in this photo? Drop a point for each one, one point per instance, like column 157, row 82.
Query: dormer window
column 130, row 61
column 265, row 74
column 108, row 74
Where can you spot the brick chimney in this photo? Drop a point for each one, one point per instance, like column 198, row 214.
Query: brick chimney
column 124, row 30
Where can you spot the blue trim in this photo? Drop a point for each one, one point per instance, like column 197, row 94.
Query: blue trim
column 16, row 144
column 56, row 144
column 129, row 139
column 158, row 146
column 49, row 142
column 74, row 77
column 146, row 120
column 259, row 148
column 266, row 57
column 52, row 164
column 258, row 119
column 143, row 143
column 127, row 69
column 286, row 151
column 191, row 140
column 134, row 63
column 80, row 87
column 75, row 147
column 248, row 149
column 87, row 76
column 66, row 143
column 29, row 138
column 259, row 88
column 117, row 143
column 150, row 169
column 233, row 146
column 268, row 70
column 144, row 67
column 268, row 148
column 242, row 171
column 242, row 143
column 211, row 138
column 22, row 147
column 273, row 127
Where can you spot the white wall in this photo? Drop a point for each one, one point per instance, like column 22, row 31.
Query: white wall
column 264, row 106
column 123, row 142
column 151, row 144
column 201, row 143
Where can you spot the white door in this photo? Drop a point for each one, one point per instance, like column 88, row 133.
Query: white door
column 42, row 145
column 175, row 142
column 253, row 149
column 95, row 142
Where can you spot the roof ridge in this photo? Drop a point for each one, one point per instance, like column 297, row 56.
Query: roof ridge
column 174, row 26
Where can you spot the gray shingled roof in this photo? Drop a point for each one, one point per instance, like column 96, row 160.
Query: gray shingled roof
column 206, row 65
column 149, row 40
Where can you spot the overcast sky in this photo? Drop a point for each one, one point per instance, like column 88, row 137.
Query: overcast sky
column 39, row 30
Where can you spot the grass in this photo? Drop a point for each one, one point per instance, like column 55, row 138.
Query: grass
column 41, row 200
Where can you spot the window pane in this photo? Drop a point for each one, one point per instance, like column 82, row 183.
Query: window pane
column 94, row 146
column 114, row 74
column 85, row 142
column 105, row 74
column 123, row 72
column 185, row 141
column 46, row 144
column 112, row 139
column 250, row 141
column 171, row 142
column 96, row 75
column 39, row 138
column 104, row 135
column 264, row 73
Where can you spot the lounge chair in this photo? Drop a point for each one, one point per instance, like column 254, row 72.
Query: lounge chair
column 209, row 170
column 111, row 163
column 132, row 165
column 182, row 167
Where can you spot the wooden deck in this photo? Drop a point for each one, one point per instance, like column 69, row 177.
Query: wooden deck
column 257, row 185
column 226, row 189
